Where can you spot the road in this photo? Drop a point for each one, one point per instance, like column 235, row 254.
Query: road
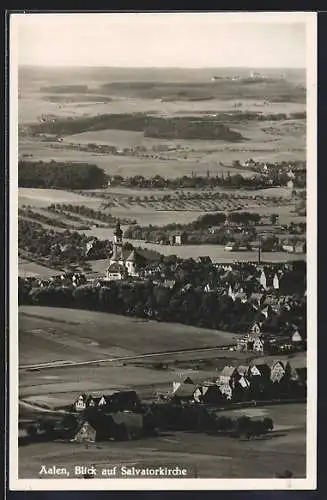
column 62, row 364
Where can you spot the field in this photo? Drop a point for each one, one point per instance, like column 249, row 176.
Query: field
column 130, row 346
column 107, row 333
column 27, row 268
column 44, row 197
column 52, row 335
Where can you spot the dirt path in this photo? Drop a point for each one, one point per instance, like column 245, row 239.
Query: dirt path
column 61, row 364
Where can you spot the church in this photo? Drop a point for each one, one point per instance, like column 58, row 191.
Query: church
column 126, row 262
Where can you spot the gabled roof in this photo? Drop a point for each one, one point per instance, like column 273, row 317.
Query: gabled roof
column 185, row 390
column 263, row 368
column 276, row 362
column 84, row 432
column 204, row 259
column 243, row 369
column 188, row 380
column 227, row 371
column 133, row 257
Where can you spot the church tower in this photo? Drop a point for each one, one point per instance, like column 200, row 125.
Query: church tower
column 118, row 242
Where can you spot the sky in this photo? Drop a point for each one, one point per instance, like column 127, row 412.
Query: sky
column 161, row 40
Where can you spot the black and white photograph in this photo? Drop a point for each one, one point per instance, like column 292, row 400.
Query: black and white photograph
column 163, row 322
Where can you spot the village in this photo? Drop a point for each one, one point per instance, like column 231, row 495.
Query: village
column 262, row 300
column 121, row 415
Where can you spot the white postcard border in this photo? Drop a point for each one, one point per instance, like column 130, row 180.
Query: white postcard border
column 308, row 483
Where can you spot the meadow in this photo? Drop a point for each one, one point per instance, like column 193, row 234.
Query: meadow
column 107, row 334
column 56, row 334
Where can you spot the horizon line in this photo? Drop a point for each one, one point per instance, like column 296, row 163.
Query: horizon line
column 66, row 66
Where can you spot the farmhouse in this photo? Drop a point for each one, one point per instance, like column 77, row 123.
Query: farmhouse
column 183, row 391
column 84, row 433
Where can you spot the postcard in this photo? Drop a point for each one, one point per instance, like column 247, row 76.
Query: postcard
column 163, row 236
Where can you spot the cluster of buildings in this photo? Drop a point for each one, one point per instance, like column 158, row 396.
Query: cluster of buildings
column 113, row 400
column 125, row 262
column 258, row 381
column 257, row 342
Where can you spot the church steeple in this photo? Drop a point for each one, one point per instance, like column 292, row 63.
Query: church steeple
column 117, row 241
column 118, row 234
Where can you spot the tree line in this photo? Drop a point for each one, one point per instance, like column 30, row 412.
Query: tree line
column 229, row 180
column 60, row 175
column 146, row 300
column 90, row 213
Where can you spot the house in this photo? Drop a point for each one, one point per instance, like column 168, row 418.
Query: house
column 259, row 370
column 255, row 300
column 258, row 345
column 259, row 379
column 278, row 371
column 255, row 329
column 188, row 380
column 85, row 432
column 85, row 401
column 113, row 401
column 276, row 282
column 299, row 375
column 226, row 391
column 123, row 400
column 178, row 238
column 231, row 246
column 286, row 247
column 300, row 247
column 228, row 376
column 183, row 392
column 129, row 424
column 80, row 403
column 211, row 394
column 263, row 280
column 169, row 283
column 242, row 296
column 243, row 370
column 296, row 337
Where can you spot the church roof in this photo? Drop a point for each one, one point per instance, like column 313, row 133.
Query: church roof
column 116, row 268
column 133, row 256
column 141, row 255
